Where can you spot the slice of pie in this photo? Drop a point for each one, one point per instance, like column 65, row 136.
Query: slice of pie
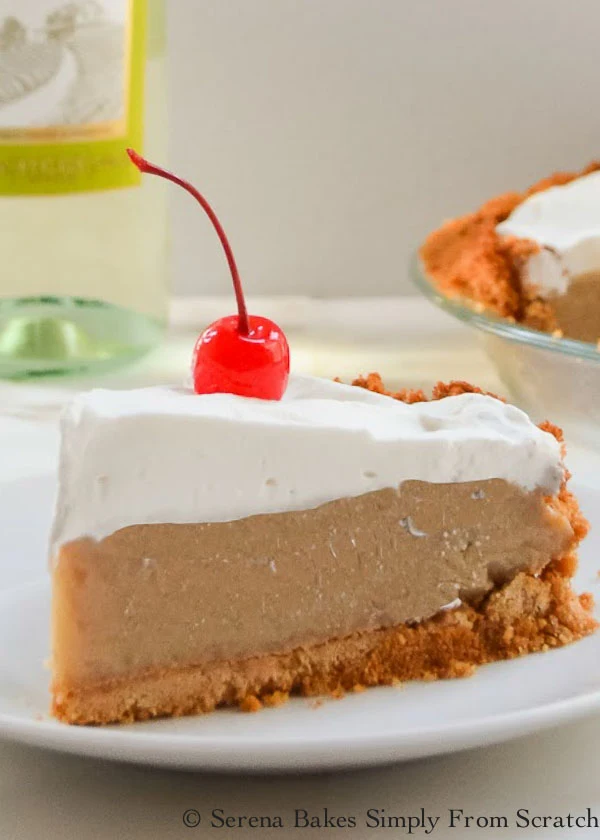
column 532, row 257
column 217, row 549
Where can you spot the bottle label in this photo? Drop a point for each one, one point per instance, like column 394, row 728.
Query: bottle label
column 71, row 94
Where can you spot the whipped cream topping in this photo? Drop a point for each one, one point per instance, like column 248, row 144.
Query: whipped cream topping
column 565, row 222
column 167, row 455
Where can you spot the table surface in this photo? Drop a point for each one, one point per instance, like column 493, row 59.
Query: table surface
column 47, row 795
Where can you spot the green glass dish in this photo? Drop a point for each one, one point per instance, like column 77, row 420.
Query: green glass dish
column 49, row 336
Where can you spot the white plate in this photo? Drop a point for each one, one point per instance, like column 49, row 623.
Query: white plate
column 501, row 701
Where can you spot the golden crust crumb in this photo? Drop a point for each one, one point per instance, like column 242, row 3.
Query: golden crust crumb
column 277, row 698
column 374, row 382
column 250, row 703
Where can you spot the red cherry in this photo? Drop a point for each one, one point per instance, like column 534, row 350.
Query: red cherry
column 253, row 365
column 239, row 354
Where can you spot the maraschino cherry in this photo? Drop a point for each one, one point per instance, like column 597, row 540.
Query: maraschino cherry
column 241, row 354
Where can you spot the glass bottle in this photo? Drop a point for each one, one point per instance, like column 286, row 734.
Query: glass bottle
column 83, row 238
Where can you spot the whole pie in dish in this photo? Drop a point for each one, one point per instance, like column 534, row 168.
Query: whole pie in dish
column 216, row 549
column 532, row 257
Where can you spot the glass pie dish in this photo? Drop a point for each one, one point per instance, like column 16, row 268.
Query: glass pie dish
column 547, row 376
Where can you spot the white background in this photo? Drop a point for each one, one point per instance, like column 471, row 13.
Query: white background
column 333, row 134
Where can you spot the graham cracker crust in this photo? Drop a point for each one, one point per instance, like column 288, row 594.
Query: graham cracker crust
column 528, row 615
column 466, row 258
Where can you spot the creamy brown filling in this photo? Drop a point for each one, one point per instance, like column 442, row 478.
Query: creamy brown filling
column 159, row 596
column 577, row 312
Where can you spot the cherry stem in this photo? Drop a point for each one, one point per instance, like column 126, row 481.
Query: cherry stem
column 145, row 166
